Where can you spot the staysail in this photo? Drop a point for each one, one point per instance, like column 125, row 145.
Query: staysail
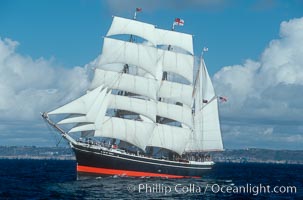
column 207, row 132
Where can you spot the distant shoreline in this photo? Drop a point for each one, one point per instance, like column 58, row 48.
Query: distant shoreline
column 36, row 158
column 74, row 159
column 266, row 156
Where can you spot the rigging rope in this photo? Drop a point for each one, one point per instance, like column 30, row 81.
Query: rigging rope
column 55, row 135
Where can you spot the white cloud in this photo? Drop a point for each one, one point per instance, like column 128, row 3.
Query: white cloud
column 29, row 86
column 268, row 91
column 295, row 138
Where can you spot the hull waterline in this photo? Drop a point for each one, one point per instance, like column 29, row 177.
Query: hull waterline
column 109, row 162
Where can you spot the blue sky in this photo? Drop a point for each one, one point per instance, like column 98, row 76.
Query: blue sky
column 47, row 46
column 71, row 32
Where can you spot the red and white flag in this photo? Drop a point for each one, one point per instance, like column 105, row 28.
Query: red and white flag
column 179, row 22
column 138, row 9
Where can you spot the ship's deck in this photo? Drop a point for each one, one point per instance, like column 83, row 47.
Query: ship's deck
column 99, row 147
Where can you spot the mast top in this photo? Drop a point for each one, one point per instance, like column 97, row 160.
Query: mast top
column 205, row 49
column 135, row 14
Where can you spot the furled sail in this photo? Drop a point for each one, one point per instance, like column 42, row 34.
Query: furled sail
column 207, row 132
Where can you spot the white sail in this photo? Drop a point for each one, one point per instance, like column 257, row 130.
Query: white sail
column 141, row 106
column 208, row 91
column 170, row 137
column 132, row 27
column 149, row 32
column 176, row 91
column 135, row 84
column 92, row 113
column 207, row 121
column 182, row 40
column 117, row 51
column 134, row 132
column 87, row 134
column 115, row 67
column 83, row 127
column 71, row 120
column 81, row 105
column 178, row 63
column 207, row 132
column 95, row 116
column 179, row 113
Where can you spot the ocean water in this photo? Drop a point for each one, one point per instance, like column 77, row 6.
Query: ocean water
column 53, row 179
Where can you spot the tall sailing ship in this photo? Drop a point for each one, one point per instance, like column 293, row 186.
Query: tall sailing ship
column 146, row 113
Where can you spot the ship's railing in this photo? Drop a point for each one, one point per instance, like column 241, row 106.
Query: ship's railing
column 115, row 149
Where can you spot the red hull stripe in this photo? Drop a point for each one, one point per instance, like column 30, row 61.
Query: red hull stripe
column 106, row 171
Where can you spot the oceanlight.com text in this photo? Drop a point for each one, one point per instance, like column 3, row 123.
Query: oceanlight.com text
column 252, row 189
column 195, row 188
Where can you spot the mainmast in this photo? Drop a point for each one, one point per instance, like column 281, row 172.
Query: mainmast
column 177, row 22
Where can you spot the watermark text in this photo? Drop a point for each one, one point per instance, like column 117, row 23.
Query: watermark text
column 196, row 188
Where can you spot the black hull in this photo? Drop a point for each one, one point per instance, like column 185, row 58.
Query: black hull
column 103, row 162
